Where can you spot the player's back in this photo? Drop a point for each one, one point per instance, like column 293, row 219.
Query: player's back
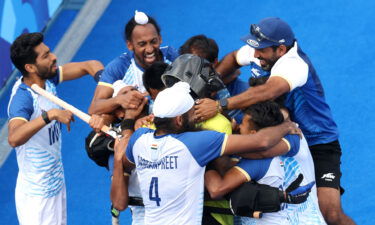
column 171, row 174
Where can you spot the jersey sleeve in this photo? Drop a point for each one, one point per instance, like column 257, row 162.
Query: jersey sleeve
column 254, row 169
column 21, row 105
column 205, row 145
column 115, row 70
column 59, row 76
column 133, row 139
column 293, row 70
column 169, row 53
column 293, row 141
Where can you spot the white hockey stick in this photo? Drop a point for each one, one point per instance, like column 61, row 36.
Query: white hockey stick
column 83, row 116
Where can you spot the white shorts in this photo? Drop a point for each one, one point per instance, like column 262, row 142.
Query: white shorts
column 35, row 210
column 138, row 215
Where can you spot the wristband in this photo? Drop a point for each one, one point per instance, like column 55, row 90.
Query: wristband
column 218, row 107
column 223, row 104
column 127, row 124
column 98, row 75
column 45, row 117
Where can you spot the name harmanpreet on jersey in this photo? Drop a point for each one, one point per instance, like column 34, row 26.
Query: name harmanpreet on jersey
column 39, row 159
column 125, row 68
column 171, row 172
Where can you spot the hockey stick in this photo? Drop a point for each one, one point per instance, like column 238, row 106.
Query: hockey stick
column 83, row 116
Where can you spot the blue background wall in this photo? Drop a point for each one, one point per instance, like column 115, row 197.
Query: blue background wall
column 20, row 16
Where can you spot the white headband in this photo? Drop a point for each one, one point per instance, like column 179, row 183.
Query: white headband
column 173, row 101
column 140, row 17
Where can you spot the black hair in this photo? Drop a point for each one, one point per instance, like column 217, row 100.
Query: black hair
column 205, row 47
column 129, row 27
column 22, row 50
column 152, row 76
column 167, row 125
column 265, row 114
column 164, row 124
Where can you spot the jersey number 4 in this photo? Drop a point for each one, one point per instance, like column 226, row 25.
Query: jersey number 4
column 154, row 190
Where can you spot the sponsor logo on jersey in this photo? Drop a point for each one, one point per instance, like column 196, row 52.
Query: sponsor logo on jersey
column 328, row 176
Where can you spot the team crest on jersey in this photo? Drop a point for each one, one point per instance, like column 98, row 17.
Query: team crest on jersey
column 281, row 164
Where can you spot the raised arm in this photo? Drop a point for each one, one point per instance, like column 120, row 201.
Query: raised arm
column 76, row 70
column 228, row 65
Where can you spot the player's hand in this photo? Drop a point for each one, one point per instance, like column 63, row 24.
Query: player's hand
column 235, row 126
column 296, row 194
column 126, row 89
column 96, row 122
column 63, row 116
column 144, row 121
column 205, row 109
column 134, row 113
column 130, row 100
column 293, row 128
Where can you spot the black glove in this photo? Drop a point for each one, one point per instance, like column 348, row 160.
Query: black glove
column 296, row 194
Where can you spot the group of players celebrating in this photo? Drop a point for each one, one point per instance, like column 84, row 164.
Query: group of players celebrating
column 196, row 145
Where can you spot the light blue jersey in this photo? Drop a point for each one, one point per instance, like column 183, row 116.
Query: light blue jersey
column 280, row 172
column 121, row 72
column 39, row 159
column 40, row 190
column 299, row 161
column 125, row 68
column 171, row 172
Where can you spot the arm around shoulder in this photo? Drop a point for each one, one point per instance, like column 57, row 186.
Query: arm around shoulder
column 260, row 141
column 218, row 186
column 228, row 65
column 273, row 88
